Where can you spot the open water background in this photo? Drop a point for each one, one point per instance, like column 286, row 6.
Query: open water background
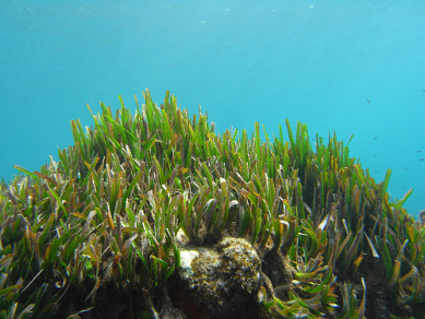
column 356, row 67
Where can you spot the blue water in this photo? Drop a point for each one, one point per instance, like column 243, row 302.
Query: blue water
column 356, row 67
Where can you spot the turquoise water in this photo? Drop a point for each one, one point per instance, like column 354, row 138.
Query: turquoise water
column 356, row 67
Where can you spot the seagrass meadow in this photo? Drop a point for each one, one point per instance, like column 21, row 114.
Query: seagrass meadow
column 105, row 231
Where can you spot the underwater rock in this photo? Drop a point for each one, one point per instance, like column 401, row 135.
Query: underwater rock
column 219, row 282
column 168, row 311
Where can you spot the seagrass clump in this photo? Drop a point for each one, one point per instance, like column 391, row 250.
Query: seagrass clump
column 96, row 234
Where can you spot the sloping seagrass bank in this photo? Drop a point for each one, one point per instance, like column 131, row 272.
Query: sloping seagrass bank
column 114, row 227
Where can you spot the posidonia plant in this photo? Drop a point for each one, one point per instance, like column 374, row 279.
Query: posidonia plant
column 101, row 222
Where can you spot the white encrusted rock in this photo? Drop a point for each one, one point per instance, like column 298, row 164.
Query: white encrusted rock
column 223, row 279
